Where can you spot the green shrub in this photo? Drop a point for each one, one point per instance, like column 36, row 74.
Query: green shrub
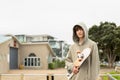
column 56, row 64
column 62, row 64
column 103, row 66
column 52, row 65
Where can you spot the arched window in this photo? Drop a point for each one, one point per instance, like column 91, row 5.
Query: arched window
column 32, row 55
column 32, row 60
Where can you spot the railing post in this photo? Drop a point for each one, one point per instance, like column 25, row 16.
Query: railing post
column 22, row 76
column 50, row 77
column 0, row 77
column 47, row 77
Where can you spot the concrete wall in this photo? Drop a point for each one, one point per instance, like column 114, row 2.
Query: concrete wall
column 4, row 54
column 40, row 50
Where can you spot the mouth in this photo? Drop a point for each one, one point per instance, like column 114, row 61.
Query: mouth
column 80, row 60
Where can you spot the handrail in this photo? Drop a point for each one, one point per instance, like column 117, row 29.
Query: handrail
column 53, row 76
column 110, row 77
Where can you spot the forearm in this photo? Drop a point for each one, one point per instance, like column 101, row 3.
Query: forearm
column 69, row 64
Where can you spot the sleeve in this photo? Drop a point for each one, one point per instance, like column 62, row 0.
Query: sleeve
column 69, row 61
column 95, row 62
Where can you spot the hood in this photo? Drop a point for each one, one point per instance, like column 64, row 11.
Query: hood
column 75, row 38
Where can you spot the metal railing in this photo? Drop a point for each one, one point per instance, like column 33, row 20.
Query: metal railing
column 24, row 77
column 109, row 76
column 45, row 76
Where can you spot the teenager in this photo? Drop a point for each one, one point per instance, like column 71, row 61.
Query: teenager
column 89, row 69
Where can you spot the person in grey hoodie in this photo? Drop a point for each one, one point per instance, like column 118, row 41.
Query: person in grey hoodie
column 89, row 70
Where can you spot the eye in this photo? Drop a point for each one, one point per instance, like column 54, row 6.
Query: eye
column 82, row 56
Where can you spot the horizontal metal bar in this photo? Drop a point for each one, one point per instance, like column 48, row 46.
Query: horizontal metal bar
column 56, row 74
column 10, row 74
column 35, row 74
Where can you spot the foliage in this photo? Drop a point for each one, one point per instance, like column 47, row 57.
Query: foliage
column 113, row 72
column 105, row 77
column 56, row 64
column 51, row 65
column 103, row 66
column 108, row 39
column 117, row 77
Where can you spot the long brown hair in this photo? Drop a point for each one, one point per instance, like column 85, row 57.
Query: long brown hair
column 76, row 28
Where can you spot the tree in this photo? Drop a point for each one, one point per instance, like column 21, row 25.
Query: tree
column 108, row 39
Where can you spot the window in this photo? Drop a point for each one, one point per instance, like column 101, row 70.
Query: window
column 32, row 60
column 32, row 55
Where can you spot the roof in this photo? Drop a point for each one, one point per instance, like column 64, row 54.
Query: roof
column 4, row 38
column 42, row 35
column 12, row 36
column 45, row 43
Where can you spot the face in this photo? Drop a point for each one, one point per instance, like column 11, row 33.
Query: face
column 80, row 33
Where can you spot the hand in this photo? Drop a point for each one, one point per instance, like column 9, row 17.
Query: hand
column 75, row 69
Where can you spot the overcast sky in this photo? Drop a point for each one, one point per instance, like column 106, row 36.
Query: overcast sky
column 55, row 17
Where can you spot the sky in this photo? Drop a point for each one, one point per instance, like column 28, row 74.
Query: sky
column 55, row 17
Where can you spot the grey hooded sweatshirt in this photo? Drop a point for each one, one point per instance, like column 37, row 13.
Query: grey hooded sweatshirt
column 89, row 70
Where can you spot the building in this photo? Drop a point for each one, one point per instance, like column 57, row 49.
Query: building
column 59, row 47
column 34, row 38
column 13, row 53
